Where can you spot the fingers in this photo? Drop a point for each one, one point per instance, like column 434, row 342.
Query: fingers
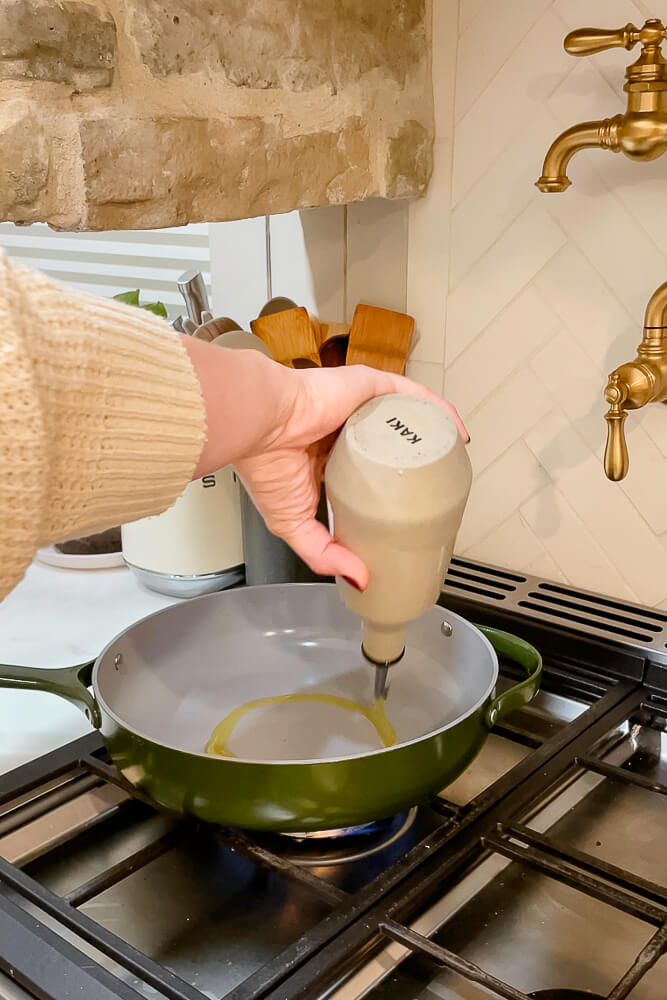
column 359, row 383
column 410, row 388
column 451, row 409
column 313, row 543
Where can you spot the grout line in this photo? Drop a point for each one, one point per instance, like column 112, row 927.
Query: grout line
column 630, row 500
column 571, row 239
column 405, row 249
column 546, row 303
column 524, row 207
column 525, row 285
column 502, row 524
column 526, row 362
column 547, row 551
column 594, row 542
column 529, row 496
column 581, row 341
column 612, row 191
column 511, row 138
column 267, row 236
column 575, row 513
column 526, row 26
column 345, row 248
column 559, row 17
column 644, row 8
column 505, row 451
column 447, row 277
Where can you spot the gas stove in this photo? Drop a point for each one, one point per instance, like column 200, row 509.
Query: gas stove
column 540, row 873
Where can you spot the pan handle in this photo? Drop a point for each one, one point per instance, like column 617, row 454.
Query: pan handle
column 70, row 683
column 526, row 656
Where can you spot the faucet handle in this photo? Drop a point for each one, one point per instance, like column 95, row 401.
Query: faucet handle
column 616, row 461
column 586, row 41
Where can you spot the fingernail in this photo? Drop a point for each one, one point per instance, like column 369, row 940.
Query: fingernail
column 352, row 583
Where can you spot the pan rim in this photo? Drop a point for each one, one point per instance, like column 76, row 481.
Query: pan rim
column 299, row 761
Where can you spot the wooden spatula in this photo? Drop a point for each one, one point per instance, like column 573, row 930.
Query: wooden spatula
column 327, row 331
column 333, row 344
column 380, row 338
column 288, row 335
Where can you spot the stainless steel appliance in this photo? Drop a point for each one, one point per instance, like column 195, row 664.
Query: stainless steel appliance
column 541, row 873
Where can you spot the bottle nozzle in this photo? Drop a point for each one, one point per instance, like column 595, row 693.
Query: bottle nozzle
column 381, row 672
column 381, row 683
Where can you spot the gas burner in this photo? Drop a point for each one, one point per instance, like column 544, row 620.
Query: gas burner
column 560, row 994
column 375, row 826
column 326, row 848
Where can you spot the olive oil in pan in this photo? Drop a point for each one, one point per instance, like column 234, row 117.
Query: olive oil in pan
column 375, row 714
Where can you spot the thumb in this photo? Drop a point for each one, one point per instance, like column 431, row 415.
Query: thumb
column 312, row 542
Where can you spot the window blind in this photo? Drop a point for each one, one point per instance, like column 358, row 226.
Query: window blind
column 111, row 262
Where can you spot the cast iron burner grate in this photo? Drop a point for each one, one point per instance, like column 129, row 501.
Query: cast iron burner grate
column 487, row 823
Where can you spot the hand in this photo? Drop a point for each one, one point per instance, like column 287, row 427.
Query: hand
column 284, row 479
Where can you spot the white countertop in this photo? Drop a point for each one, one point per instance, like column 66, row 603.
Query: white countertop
column 55, row 618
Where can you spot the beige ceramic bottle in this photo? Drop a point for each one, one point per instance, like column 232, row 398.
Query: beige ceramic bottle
column 397, row 483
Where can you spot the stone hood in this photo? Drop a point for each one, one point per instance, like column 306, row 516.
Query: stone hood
column 119, row 114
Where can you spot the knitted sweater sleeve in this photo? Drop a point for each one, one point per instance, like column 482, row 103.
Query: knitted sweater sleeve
column 101, row 415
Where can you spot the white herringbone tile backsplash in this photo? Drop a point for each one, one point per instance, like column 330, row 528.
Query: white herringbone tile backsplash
column 546, row 294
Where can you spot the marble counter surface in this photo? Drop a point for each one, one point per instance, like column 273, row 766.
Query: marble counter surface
column 54, row 618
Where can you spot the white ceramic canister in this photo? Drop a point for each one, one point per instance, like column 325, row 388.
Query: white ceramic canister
column 194, row 547
column 397, row 483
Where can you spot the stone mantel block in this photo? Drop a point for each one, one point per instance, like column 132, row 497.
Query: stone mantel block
column 131, row 114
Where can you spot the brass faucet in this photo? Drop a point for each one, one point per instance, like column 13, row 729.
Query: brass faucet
column 641, row 133
column 642, row 381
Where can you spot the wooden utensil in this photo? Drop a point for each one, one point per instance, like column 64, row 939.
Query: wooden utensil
column 380, row 338
column 327, row 331
column 304, row 363
column 333, row 354
column 333, row 345
column 288, row 335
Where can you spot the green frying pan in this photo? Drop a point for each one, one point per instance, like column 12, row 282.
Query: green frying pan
column 160, row 688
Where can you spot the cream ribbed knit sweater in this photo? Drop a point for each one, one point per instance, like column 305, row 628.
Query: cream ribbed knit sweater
column 101, row 415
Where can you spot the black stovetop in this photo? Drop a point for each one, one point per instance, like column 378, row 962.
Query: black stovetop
column 102, row 896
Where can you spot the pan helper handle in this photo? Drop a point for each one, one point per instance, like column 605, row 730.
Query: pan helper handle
column 397, row 483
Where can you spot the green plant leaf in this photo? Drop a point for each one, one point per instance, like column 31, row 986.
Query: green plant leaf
column 157, row 308
column 129, row 298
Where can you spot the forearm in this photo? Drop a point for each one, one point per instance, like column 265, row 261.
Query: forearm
column 120, row 411
column 246, row 398
column 107, row 414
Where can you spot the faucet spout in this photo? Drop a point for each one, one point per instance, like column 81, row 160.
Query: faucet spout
column 601, row 135
column 655, row 317
column 641, row 133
